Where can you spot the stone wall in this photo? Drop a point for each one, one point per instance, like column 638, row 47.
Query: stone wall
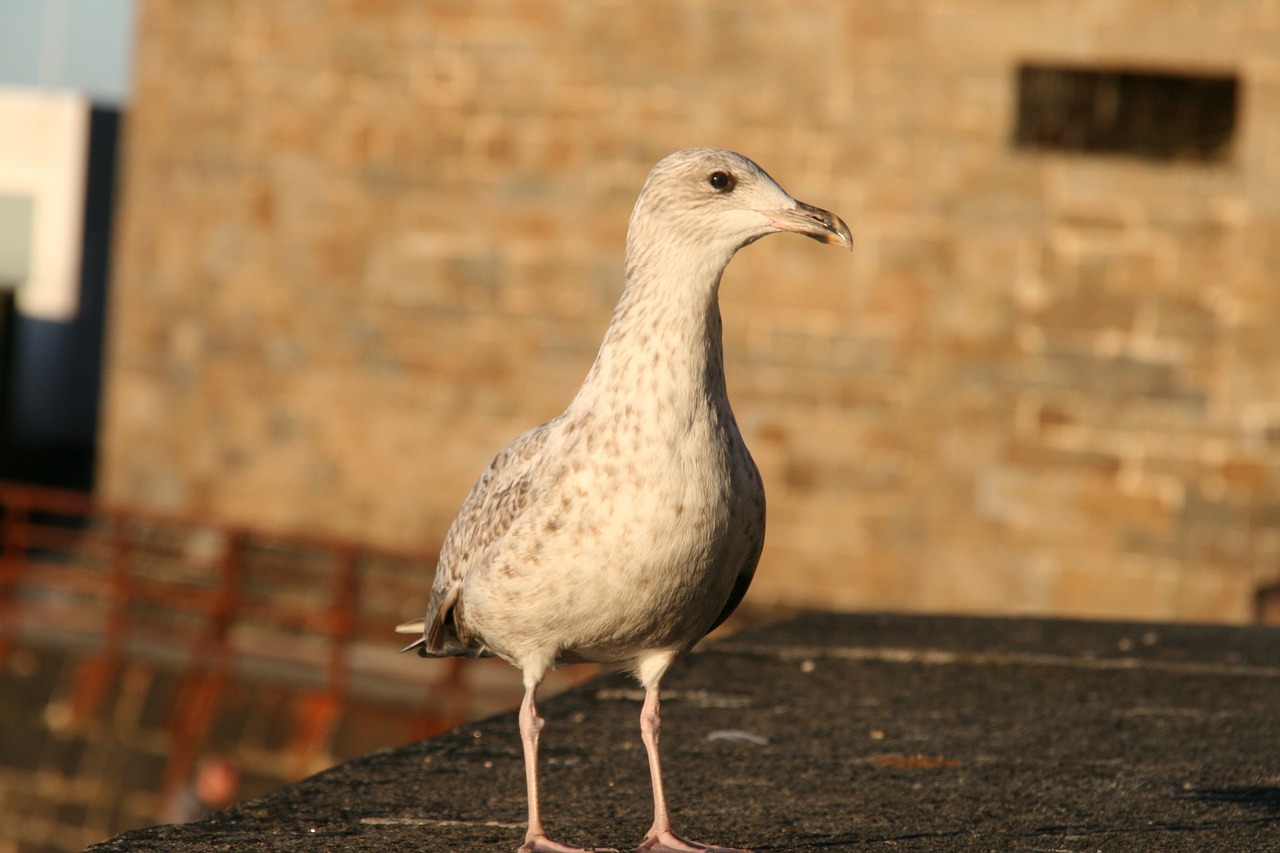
column 364, row 244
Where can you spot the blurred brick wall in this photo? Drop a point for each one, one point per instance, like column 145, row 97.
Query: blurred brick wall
column 364, row 244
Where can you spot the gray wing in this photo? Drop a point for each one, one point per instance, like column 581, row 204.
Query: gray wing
column 739, row 591
column 751, row 559
column 498, row 498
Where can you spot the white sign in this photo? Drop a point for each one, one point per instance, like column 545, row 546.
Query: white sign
column 44, row 139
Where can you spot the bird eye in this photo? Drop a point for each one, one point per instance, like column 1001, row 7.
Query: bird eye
column 721, row 181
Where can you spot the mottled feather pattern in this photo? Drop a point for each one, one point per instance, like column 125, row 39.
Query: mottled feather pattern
column 495, row 502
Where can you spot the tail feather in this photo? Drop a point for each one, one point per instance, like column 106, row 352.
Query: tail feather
column 419, row 627
column 449, row 645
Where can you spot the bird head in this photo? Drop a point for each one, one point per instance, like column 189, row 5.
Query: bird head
column 722, row 201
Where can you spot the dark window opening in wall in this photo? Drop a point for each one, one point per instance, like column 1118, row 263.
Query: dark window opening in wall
column 1161, row 116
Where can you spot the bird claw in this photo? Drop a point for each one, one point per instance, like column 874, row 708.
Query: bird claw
column 669, row 842
column 542, row 844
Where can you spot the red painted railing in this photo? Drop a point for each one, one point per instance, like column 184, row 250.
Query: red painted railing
column 215, row 601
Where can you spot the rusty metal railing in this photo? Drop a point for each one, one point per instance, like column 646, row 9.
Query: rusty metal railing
column 215, row 601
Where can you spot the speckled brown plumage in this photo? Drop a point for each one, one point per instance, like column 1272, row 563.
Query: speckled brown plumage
column 624, row 530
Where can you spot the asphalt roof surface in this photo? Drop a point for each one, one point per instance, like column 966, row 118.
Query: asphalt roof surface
column 845, row 732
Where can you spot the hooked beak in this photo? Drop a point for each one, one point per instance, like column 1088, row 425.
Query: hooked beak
column 822, row 225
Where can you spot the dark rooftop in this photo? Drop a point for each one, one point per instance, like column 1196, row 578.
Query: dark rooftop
column 834, row 732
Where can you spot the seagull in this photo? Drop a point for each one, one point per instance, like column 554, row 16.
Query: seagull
column 626, row 529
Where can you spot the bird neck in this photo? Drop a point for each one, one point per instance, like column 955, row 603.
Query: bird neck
column 662, row 354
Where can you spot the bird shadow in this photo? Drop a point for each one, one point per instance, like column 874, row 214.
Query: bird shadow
column 1264, row 798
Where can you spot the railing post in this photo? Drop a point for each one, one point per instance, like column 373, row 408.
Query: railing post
column 13, row 557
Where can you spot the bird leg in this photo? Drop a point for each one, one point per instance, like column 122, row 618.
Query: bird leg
column 535, row 839
column 660, row 838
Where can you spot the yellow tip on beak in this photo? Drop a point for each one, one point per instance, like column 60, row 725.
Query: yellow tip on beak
column 822, row 225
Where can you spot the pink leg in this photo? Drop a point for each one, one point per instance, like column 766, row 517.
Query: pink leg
column 535, row 839
column 660, row 838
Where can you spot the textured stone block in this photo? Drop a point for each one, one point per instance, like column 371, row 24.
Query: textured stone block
column 363, row 245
